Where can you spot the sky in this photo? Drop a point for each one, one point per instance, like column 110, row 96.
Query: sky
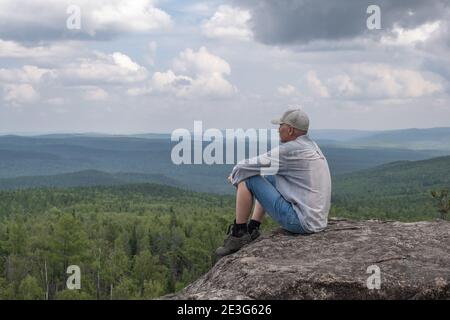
column 118, row 66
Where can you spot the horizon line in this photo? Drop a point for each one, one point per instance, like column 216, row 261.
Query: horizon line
column 42, row 133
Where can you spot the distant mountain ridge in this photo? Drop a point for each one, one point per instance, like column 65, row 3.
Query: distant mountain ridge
column 415, row 139
column 339, row 135
column 84, row 179
column 24, row 157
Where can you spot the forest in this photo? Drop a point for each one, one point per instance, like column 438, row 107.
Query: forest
column 130, row 242
column 136, row 241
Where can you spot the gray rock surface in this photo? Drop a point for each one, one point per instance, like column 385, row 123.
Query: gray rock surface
column 413, row 260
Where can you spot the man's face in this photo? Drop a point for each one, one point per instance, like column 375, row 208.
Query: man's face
column 285, row 132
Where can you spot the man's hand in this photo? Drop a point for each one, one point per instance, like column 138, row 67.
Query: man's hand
column 229, row 178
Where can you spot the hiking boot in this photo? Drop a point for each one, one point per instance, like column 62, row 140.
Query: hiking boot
column 233, row 244
column 255, row 234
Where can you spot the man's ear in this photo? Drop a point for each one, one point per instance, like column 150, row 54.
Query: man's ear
column 291, row 131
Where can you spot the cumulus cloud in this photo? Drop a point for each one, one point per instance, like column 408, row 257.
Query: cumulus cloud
column 201, row 62
column 344, row 86
column 18, row 94
column 26, row 74
column 315, row 85
column 100, row 19
column 401, row 36
column 228, row 22
column 195, row 74
column 381, row 81
column 13, row 49
column 169, row 81
column 385, row 81
column 115, row 68
column 21, row 85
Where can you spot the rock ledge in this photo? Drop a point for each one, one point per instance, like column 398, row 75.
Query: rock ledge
column 413, row 260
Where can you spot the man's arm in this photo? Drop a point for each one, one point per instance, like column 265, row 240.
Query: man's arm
column 267, row 164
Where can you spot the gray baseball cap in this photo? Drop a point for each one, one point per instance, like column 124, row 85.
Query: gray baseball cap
column 296, row 118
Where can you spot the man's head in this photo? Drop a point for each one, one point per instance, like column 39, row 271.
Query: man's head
column 293, row 124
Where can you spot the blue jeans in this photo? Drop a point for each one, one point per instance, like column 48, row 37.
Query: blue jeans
column 264, row 190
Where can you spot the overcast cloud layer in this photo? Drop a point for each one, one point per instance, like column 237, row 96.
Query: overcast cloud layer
column 153, row 66
column 300, row 21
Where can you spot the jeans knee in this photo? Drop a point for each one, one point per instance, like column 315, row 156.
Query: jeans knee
column 249, row 182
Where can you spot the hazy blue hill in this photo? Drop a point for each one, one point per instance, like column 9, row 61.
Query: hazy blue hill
column 48, row 156
column 340, row 135
column 85, row 178
column 419, row 139
column 71, row 135
column 326, row 142
column 104, row 135
column 398, row 188
column 152, row 135
column 14, row 155
column 400, row 176
column 344, row 160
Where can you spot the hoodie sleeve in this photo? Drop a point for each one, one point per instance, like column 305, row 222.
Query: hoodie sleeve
column 268, row 163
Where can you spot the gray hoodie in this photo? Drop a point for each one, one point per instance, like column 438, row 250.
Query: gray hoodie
column 302, row 177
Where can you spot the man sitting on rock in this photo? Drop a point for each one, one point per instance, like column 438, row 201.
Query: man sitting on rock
column 297, row 196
